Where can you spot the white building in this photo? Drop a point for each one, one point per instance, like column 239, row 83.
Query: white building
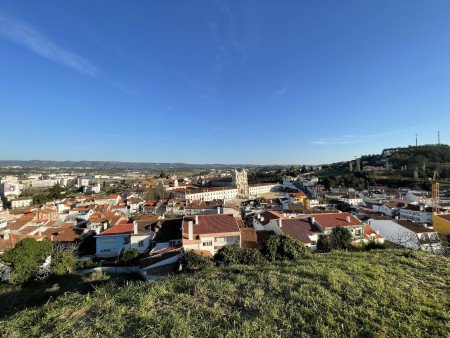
column 10, row 189
column 408, row 234
column 416, row 213
column 21, row 203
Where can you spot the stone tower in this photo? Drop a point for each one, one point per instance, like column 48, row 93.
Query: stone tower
column 240, row 181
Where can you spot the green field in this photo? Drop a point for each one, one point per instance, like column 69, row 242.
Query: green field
column 389, row 293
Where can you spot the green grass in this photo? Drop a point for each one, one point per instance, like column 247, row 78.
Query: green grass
column 17, row 297
column 341, row 294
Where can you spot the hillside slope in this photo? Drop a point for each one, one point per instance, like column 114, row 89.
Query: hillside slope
column 342, row 294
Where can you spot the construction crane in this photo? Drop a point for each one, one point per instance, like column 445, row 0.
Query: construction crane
column 435, row 192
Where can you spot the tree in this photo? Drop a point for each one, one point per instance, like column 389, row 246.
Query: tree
column 64, row 259
column 324, row 243
column 26, row 258
column 281, row 247
column 129, row 255
column 339, row 238
column 227, row 255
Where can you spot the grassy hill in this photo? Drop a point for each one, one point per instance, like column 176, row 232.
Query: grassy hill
column 341, row 294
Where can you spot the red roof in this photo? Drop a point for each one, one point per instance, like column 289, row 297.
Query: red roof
column 211, row 224
column 369, row 231
column 336, row 220
column 444, row 216
column 123, row 227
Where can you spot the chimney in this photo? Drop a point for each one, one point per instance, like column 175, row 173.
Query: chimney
column 262, row 219
column 312, row 220
column 6, row 234
column 219, row 210
column 135, row 228
column 190, row 230
column 196, row 219
column 348, row 219
column 280, row 223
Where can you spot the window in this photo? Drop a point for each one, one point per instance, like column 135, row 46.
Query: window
column 209, row 243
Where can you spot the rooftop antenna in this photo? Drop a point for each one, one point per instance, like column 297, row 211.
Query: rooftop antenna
column 439, row 138
column 416, row 140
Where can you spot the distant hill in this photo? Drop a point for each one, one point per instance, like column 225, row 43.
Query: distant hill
column 113, row 165
column 417, row 156
column 393, row 293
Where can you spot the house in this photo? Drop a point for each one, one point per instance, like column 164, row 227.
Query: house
column 299, row 197
column 408, row 234
column 124, row 236
column 352, row 199
column 204, row 208
column 372, row 235
column 175, row 206
column 134, row 205
column 113, row 199
column 327, row 222
column 210, row 232
column 302, row 229
column 266, row 218
column 416, row 213
column 21, row 202
column 150, row 207
column 65, row 235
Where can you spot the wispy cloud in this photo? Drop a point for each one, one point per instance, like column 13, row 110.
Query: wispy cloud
column 28, row 36
column 349, row 139
column 280, row 92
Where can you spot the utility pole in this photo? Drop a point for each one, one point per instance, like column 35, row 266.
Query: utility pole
column 416, row 140
column 439, row 138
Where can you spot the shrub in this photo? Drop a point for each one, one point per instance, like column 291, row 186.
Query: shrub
column 231, row 254
column 373, row 245
column 227, row 255
column 250, row 256
column 284, row 248
column 26, row 258
column 190, row 261
column 87, row 264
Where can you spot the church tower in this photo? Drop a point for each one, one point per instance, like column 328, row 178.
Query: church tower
column 240, row 181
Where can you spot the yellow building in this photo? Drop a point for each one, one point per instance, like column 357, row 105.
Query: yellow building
column 441, row 223
column 300, row 198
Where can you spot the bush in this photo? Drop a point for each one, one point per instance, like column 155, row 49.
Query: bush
column 373, row 245
column 227, row 255
column 230, row 254
column 251, row 256
column 190, row 261
column 26, row 258
column 284, row 248
column 87, row 264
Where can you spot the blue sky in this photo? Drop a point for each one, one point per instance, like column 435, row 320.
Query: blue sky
column 265, row 82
